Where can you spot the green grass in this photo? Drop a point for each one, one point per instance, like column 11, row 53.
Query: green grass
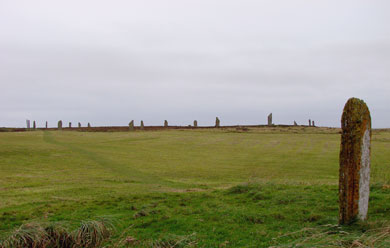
column 200, row 188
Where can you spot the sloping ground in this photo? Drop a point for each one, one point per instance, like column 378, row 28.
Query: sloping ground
column 178, row 188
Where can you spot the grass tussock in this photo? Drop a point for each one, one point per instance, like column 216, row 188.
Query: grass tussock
column 90, row 234
column 356, row 236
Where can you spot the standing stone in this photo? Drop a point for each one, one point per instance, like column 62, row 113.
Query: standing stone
column 34, row 125
column 295, row 123
column 28, row 124
column 195, row 123
column 60, row 124
column 131, row 125
column 270, row 119
column 89, row 124
column 355, row 152
column 217, row 122
column 165, row 123
column 313, row 124
column 70, row 124
column 79, row 125
column 46, row 125
column 309, row 123
column 142, row 125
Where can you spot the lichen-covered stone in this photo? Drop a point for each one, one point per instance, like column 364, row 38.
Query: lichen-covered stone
column 195, row 123
column 142, row 125
column 59, row 124
column 269, row 120
column 131, row 125
column 355, row 152
column 165, row 123
column 217, row 122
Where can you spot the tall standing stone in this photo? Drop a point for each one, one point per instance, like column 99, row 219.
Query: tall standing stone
column 313, row 123
column 47, row 125
column 355, row 152
column 34, row 125
column 60, row 124
column 142, row 125
column 70, row 124
column 217, row 122
column 195, row 123
column 295, row 123
column 131, row 125
column 269, row 120
column 309, row 123
column 28, row 124
column 89, row 124
column 79, row 125
column 165, row 123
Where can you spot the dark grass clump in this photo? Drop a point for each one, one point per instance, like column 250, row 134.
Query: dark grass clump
column 90, row 234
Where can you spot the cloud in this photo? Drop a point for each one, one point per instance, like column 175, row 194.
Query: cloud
column 109, row 62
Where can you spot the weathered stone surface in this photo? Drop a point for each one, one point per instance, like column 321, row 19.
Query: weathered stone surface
column 131, row 125
column 295, row 123
column 89, row 124
column 59, row 124
column 355, row 152
column 79, row 124
column 269, row 121
column 47, row 124
column 313, row 124
column 165, row 123
column 28, row 124
column 142, row 125
column 70, row 124
column 195, row 123
column 34, row 125
column 217, row 122
column 309, row 123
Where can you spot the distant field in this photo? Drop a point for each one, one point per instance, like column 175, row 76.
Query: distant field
column 186, row 183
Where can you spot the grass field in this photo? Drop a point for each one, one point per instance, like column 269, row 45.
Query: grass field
column 191, row 188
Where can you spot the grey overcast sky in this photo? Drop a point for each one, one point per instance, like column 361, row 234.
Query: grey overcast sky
column 108, row 62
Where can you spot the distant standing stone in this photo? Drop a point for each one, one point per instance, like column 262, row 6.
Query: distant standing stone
column 217, row 122
column 270, row 120
column 355, row 152
column 131, row 125
column 34, row 125
column 295, row 123
column 79, row 125
column 142, row 125
column 70, row 124
column 195, row 123
column 46, row 124
column 60, row 124
column 309, row 123
column 313, row 124
column 165, row 123
column 89, row 124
